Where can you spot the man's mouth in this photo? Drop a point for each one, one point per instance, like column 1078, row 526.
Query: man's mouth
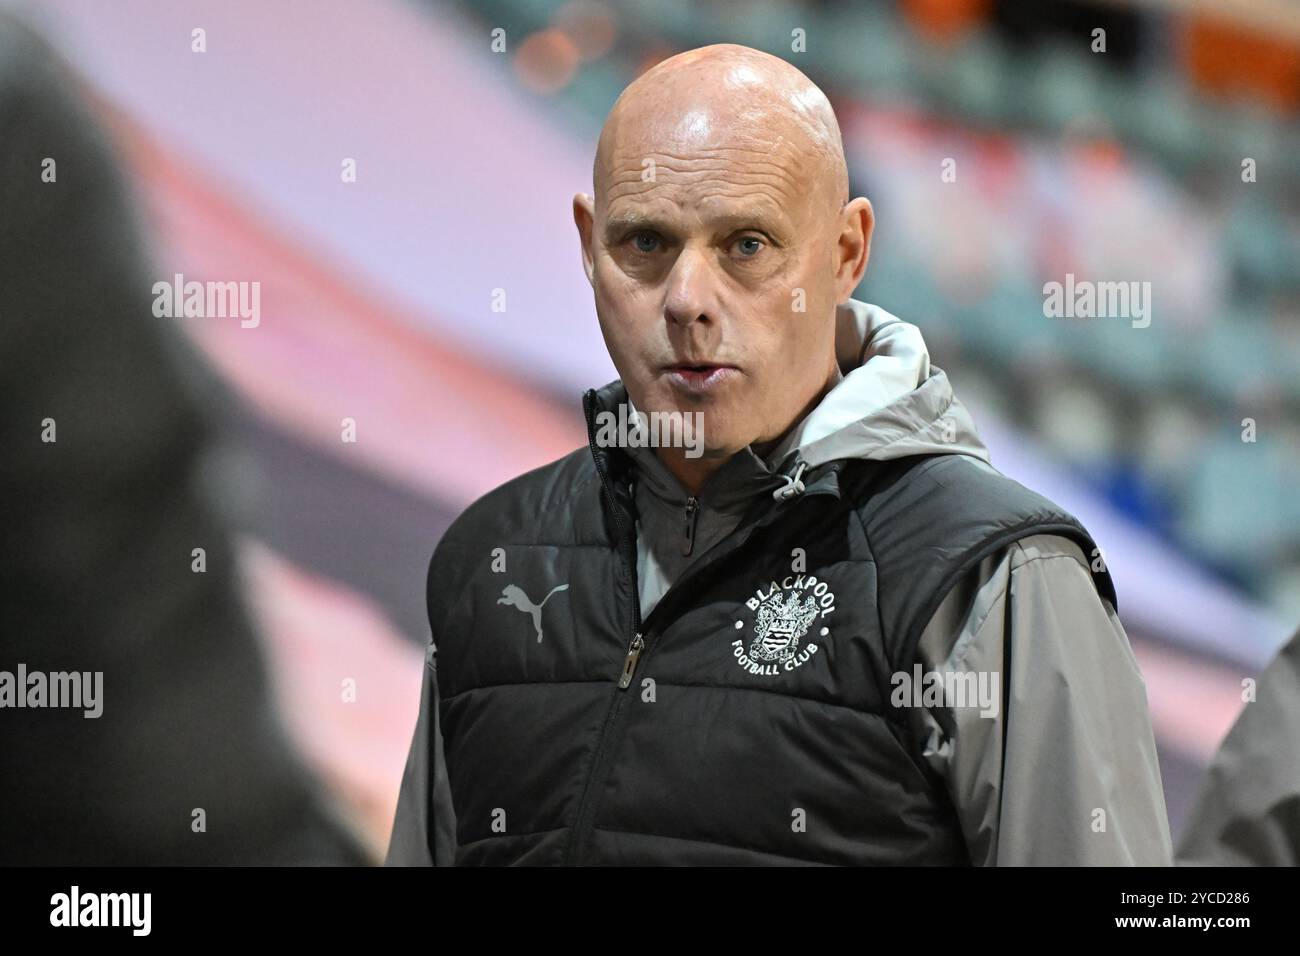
column 699, row 376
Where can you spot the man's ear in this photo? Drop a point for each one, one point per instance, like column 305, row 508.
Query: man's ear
column 584, row 217
column 857, row 220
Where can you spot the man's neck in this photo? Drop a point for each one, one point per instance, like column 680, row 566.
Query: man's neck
column 691, row 473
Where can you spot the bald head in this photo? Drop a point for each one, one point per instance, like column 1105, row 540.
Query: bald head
column 718, row 244
column 728, row 92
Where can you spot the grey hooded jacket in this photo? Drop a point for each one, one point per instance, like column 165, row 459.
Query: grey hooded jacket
column 1066, row 771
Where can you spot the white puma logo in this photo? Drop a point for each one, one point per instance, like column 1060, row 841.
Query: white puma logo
column 515, row 597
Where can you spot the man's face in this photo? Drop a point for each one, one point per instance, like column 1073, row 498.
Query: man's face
column 713, row 261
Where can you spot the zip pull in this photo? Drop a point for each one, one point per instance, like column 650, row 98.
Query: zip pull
column 692, row 509
column 629, row 665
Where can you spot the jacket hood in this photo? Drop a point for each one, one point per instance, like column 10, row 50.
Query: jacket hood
column 890, row 401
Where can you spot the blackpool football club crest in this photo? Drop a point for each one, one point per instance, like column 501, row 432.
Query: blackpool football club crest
column 783, row 614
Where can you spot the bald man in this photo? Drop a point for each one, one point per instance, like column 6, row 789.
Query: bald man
column 782, row 610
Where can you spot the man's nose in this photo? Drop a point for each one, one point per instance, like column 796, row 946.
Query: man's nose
column 691, row 288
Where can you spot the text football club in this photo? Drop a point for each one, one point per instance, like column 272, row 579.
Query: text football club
column 783, row 615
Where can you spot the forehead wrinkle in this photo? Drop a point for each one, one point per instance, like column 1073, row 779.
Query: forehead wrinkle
column 737, row 140
column 761, row 180
column 768, row 198
column 757, row 169
column 786, row 164
column 773, row 178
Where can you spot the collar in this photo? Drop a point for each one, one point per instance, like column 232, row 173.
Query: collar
column 731, row 489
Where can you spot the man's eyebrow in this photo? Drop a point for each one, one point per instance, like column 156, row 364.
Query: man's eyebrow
column 629, row 220
column 759, row 216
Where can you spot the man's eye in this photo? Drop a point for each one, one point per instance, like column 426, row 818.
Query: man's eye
column 645, row 242
column 749, row 246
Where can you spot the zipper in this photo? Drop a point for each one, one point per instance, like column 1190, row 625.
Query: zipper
column 629, row 664
column 639, row 645
column 692, row 509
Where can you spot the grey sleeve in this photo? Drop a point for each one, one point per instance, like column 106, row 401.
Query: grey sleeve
column 418, row 840
column 1063, row 770
column 1248, row 810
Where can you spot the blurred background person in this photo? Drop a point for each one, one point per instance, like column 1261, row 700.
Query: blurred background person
column 116, row 562
column 1248, row 811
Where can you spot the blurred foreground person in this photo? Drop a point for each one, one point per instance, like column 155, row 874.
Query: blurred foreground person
column 1248, row 811
column 135, row 711
column 807, row 623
